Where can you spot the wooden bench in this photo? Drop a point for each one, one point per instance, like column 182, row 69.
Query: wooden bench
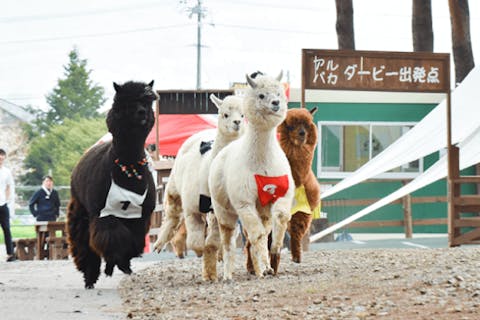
column 57, row 248
column 25, row 248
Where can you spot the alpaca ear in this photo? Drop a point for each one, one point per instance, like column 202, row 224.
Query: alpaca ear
column 313, row 110
column 151, row 84
column 216, row 101
column 251, row 82
column 116, row 87
column 279, row 77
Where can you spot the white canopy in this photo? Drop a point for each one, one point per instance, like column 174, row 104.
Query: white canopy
column 428, row 136
column 469, row 155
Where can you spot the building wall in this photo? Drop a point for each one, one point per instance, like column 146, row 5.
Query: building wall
column 14, row 141
column 385, row 112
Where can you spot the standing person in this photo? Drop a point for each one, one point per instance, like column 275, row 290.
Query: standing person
column 6, row 194
column 45, row 203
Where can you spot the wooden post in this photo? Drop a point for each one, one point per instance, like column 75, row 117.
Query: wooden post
column 302, row 91
column 407, row 214
column 157, row 124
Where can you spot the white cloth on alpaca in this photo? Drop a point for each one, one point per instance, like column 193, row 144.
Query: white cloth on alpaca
column 123, row 203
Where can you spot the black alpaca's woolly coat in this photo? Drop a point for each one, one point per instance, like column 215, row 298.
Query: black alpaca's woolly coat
column 116, row 240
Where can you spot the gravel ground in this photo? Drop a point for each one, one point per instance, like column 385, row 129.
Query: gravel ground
column 334, row 284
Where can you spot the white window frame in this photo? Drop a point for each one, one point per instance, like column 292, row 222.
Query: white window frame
column 343, row 174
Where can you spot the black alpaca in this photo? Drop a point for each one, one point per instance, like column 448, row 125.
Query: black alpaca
column 114, row 229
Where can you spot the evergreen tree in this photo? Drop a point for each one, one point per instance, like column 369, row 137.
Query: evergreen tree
column 75, row 96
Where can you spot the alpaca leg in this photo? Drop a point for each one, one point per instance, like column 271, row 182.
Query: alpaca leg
column 281, row 216
column 212, row 243
column 257, row 236
column 84, row 258
column 226, row 235
column 297, row 228
column 195, row 223
column 249, row 264
column 173, row 215
column 179, row 241
column 92, row 270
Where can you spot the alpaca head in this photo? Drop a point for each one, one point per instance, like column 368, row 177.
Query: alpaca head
column 230, row 115
column 265, row 104
column 298, row 129
column 131, row 112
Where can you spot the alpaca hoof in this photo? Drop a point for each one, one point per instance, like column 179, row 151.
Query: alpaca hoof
column 125, row 269
column 89, row 286
column 296, row 259
column 210, row 278
column 268, row 271
column 157, row 246
column 275, row 262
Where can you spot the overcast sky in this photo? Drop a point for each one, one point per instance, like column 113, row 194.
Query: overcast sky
column 155, row 39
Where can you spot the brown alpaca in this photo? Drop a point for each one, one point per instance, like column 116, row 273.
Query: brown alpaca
column 298, row 139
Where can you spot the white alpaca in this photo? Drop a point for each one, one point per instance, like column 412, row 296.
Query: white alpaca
column 235, row 175
column 189, row 177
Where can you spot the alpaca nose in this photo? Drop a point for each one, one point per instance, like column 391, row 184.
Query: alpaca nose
column 276, row 106
column 301, row 133
column 236, row 122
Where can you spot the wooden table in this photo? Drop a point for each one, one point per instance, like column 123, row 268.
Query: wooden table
column 51, row 240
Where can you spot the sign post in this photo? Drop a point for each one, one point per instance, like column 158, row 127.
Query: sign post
column 392, row 72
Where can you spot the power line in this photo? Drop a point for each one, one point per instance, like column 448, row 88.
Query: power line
column 96, row 35
column 40, row 17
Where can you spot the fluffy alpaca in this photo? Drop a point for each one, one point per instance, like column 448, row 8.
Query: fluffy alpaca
column 298, row 139
column 251, row 179
column 112, row 190
column 187, row 187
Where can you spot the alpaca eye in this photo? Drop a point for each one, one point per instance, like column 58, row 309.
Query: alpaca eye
column 290, row 128
column 242, row 116
column 261, row 96
column 225, row 115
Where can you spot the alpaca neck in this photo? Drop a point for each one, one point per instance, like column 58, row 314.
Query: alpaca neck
column 260, row 142
column 300, row 159
column 220, row 142
column 128, row 150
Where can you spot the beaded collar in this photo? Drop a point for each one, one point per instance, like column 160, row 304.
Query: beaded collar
column 130, row 170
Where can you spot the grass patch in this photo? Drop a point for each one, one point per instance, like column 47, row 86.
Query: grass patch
column 20, row 232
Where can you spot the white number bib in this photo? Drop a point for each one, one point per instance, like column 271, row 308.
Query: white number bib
column 123, row 203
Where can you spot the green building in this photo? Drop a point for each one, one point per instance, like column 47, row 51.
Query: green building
column 354, row 127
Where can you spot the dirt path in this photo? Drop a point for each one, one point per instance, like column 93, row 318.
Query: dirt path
column 54, row 290
column 337, row 284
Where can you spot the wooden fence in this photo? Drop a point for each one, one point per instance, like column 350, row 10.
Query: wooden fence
column 407, row 223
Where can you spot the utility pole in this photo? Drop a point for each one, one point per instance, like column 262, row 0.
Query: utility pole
column 200, row 12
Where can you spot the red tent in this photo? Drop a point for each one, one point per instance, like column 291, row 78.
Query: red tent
column 174, row 129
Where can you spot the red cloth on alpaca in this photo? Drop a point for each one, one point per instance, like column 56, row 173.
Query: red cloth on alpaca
column 271, row 188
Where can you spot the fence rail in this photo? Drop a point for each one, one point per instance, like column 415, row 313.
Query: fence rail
column 407, row 221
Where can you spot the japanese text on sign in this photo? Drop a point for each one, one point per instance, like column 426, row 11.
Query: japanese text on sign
column 378, row 71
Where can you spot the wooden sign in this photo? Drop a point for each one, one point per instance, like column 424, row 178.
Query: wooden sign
column 375, row 70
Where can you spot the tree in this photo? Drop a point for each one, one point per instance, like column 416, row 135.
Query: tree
column 461, row 42
column 422, row 30
column 75, row 95
column 59, row 149
column 344, row 25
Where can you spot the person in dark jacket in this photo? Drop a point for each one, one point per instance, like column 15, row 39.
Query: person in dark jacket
column 45, row 203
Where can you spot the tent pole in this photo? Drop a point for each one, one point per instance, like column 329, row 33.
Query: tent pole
column 157, row 139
